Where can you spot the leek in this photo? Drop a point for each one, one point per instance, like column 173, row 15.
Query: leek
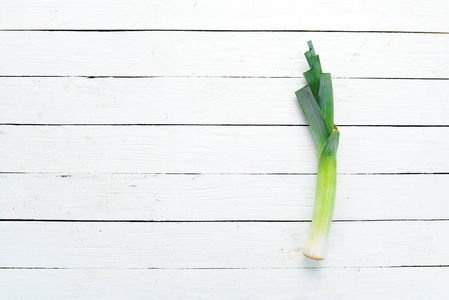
column 317, row 103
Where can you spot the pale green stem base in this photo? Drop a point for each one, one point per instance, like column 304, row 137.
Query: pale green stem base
column 325, row 199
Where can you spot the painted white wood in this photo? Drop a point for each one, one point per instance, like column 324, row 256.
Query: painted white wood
column 379, row 283
column 188, row 82
column 217, row 149
column 221, row 54
column 194, row 100
column 411, row 15
column 219, row 245
column 217, row 197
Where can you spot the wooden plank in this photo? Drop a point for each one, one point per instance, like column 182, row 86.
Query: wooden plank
column 193, row 100
column 383, row 15
column 217, row 149
column 262, row 54
column 216, row 197
column 218, row 245
column 379, row 283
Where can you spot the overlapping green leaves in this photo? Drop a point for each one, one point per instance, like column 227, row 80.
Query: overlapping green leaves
column 317, row 100
column 313, row 115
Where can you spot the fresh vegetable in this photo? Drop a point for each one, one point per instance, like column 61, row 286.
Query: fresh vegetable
column 317, row 103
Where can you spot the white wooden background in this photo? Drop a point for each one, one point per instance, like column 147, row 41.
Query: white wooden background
column 155, row 149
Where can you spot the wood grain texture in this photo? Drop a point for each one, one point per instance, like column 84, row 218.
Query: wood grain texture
column 194, row 100
column 396, row 15
column 218, row 245
column 217, row 149
column 168, row 211
column 216, row 197
column 396, row 283
column 273, row 54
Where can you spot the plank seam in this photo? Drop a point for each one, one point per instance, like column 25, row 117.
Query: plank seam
column 283, row 268
column 213, row 221
column 215, row 76
column 69, row 174
column 220, row 125
column 225, row 30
